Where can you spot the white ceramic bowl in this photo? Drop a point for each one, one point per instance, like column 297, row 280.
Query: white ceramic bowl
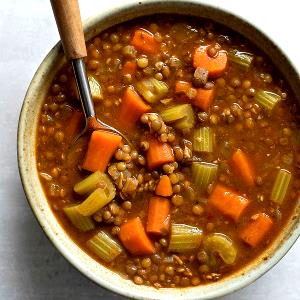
column 36, row 197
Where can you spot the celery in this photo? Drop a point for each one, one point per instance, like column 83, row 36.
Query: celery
column 152, row 89
column 184, row 238
column 203, row 174
column 95, row 88
column 241, row 59
column 104, row 246
column 95, row 201
column 281, row 185
column 267, row 99
column 203, row 139
column 79, row 221
column 93, row 181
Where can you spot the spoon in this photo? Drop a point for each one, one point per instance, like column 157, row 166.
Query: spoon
column 67, row 16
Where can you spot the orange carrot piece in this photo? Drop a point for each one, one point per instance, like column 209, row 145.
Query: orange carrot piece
column 158, row 216
column 129, row 67
column 214, row 65
column 228, row 202
column 73, row 125
column 133, row 237
column 257, row 228
column 159, row 154
column 164, row 187
column 132, row 107
column 204, row 98
column 243, row 167
column 182, row 86
column 144, row 41
column 101, row 148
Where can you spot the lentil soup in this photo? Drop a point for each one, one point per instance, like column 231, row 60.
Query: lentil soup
column 212, row 173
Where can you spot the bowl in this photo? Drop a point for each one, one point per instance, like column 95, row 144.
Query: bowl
column 27, row 164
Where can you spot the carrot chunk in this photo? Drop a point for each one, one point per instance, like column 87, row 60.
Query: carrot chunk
column 204, row 98
column 257, row 228
column 101, row 148
column 132, row 107
column 164, row 187
column 158, row 216
column 182, row 86
column 243, row 167
column 73, row 125
column 214, row 65
column 144, row 41
column 129, row 67
column 228, row 202
column 133, row 237
column 159, row 154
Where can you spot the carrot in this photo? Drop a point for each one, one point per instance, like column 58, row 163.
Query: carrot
column 204, row 98
column 133, row 237
column 164, row 187
column 158, row 216
column 159, row 154
column 215, row 65
column 101, row 148
column 228, row 202
column 129, row 67
column 73, row 125
column 182, row 86
column 132, row 107
column 144, row 41
column 257, row 228
column 243, row 167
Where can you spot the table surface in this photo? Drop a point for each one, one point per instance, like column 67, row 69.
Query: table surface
column 30, row 267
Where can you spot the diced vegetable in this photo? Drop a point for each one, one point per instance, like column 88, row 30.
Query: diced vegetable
column 204, row 139
column 78, row 220
column 144, row 41
column 152, row 89
column 158, row 154
column 158, row 216
column 243, row 166
column 181, row 116
column 131, row 108
column 101, row 148
column 241, row 59
column 204, row 98
column 203, row 174
column 95, row 201
column 266, row 99
column 129, row 67
column 222, row 245
column 281, row 185
column 104, row 246
column 96, row 89
column 133, row 237
column 184, row 238
column 256, row 229
column 93, row 181
column 228, row 202
column 164, row 187
column 73, row 126
column 214, row 65
column 182, row 86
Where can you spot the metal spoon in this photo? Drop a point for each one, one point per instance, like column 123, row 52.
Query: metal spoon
column 67, row 16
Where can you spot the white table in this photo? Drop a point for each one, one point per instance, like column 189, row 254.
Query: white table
column 30, row 267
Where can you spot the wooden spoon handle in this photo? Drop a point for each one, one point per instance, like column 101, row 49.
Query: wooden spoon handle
column 67, row 16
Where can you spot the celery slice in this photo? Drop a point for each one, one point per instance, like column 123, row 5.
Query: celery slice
column 241, row 59
column 222, row 245
column 152, row 89
column 203, row 139
column 79, row 221
column 267, row 99
column 184, row 238
column 203, row 174
column 93, row 181
column 280, row 186
column 104, row 246
column 182, row 116
column 95, row 201
column 95, row 88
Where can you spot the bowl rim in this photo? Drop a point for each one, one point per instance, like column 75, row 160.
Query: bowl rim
column 137, row 293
